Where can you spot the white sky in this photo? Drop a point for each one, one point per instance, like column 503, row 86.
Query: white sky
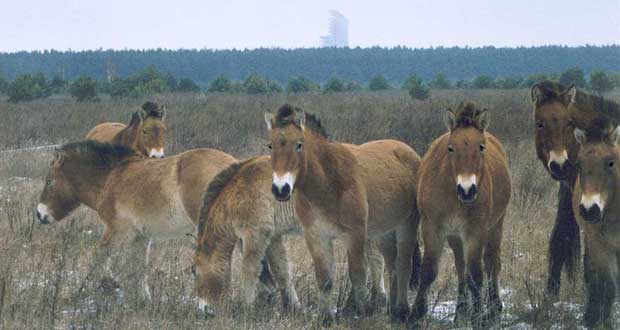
column 118, row 24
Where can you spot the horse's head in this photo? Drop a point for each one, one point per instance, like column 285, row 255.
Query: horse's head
column 556, row 146
column 466, row 149
column 597, row 168
column 151, row 129
column 58, row 197
column 288, row 155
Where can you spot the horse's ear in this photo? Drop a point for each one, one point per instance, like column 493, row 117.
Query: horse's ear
column 580, row 135
column 269, row 120
column 449, row 119
column 483, row 120
column 570, row 94
column 536, row 93
column 136, row 119
column 300, row 118
column 615, row 135
column 58, row 159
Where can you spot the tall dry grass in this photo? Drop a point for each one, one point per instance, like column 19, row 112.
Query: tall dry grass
column 46, row 272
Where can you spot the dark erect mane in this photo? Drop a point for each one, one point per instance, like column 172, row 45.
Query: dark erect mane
column 152, row 109
column 286, row 116
column 550, row 91
column 104, row 155
column 466, row 115
column 598, row 104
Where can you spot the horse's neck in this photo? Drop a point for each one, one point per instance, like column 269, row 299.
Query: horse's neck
column 329, row 171
column 89, row 185
column 128, row 137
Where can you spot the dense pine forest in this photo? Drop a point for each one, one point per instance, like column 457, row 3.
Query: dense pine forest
column 316, row 64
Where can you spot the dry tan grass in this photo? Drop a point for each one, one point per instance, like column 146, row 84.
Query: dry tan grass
column 45, row 271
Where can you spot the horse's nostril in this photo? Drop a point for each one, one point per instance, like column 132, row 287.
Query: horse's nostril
column 555, row 167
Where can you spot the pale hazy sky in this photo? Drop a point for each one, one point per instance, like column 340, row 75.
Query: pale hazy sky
column 87, row 24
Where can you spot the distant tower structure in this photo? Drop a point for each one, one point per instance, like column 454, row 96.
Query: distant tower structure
column 338, row 32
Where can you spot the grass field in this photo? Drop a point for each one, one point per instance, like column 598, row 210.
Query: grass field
column 45, row 271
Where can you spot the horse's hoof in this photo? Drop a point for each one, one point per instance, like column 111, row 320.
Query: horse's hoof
column 378, row 299
column 399, row 313
column 293, row 309
column 108, row 285
column 328, row 318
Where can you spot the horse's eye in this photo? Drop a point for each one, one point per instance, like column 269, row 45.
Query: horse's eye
column 450, row 148
column 540, row 125
column 48, row 182
column 300, row 145
column 482, row 148
column 611, row 164
column 269, row 146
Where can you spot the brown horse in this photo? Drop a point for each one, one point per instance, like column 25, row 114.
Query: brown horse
column 557, row 149
column 145, row 132
column 156, row 199
column 353, row 192
column 238, row 205
column 463, row 192
column 596, row 201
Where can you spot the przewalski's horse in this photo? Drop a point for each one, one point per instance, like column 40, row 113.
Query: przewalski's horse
column 156, row 199
column 557, row 149
column 353, row 192
column 463, row 191
column 238, row 205
column 596, row 201
column 145, row 132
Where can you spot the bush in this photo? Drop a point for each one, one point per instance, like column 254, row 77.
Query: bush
column 28, row 87
column 255, row 84
column 440, row 82
column 378, row 83
column 146, row 82
column 187, row 85
column 334, row 85
column 462, row 84
column 83, row 89
column 508, row 83
column 352, row 86
column 4, row 85
column 600, row 81
column 300, row 84
column 416, row 88
column 220, row 84
column 58, row 85
column 483, row 82
column 573, row 76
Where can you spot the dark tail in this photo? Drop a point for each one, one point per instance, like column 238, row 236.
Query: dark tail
column 564, row 245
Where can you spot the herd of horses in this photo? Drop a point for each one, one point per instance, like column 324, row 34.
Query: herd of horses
column 381, row 198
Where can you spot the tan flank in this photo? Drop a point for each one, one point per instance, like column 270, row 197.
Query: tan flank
column 145, row 132
column 351, row 192
column 463, row 191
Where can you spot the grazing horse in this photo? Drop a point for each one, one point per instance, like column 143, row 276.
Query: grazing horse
column 145, row 132
column 596, row 201
column 155, row 199
column 354, row 192
column 463, row 191
column 238, row 205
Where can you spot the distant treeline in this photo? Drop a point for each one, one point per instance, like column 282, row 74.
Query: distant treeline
column 316, row 64
column 150, row 81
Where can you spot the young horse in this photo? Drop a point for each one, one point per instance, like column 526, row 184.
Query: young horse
column 156, row 199
column 596, row 201
column 464, row 189
column 354, row 192
column 145, row 132
column 239, row 205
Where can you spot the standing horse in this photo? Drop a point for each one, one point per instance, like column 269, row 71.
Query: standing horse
column 463, row 192
column 354, row 192
column 156, row 199
column 145, row 132
column 238, row 205
column 596, row 201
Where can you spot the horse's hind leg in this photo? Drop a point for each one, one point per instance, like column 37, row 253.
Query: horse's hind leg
column 276, row 254
column 376, row 266
column 462, row 302
column 493, row 266
column 406, row 239
column 358, row 267
column 254, row 247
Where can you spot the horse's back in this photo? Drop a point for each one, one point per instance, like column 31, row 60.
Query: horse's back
column 194, row 170
column 105, row 132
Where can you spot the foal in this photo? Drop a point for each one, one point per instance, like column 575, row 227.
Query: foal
column 145, row 132
column 353, row 192
column 464, row 189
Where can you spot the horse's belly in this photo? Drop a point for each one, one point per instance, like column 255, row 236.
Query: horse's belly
column 164, row 223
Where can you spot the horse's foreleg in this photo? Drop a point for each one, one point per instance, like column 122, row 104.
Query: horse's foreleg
column 600, row 287
column 322, row 251
column 253, row 251
column 150, row 245
column 462, row 303
column 474, row 276
column 358, row 267
column 493, row 266
column 276, row 254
